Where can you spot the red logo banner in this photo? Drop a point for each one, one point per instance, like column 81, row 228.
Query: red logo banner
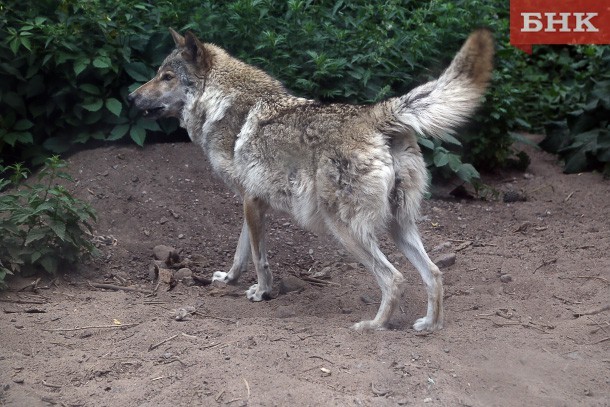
column 559, row 22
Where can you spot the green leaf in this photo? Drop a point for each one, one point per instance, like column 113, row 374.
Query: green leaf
column 118, row 132
column 91, row 89
column 138, row 134
column 59, row 229
column 94, row 105
column 49, row 263
column 34, row 235
column 138, row 71
column 23, row 124
column 102, row 62
column 114, row 106
column 468, row 173
column 450, row 139
column 22, row 137
column 440, row 159
column 80, row 65
column 57, row 144
column 426, row 142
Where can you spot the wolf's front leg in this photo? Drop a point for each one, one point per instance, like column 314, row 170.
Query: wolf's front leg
column 254, row 211
column 240, row 260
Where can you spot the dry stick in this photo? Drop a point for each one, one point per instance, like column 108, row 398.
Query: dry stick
column 79, row 328
column 247, row 387
column 593, row 311
column 55, row 386
column 118, row 287
column 566, row 300
column 320, row 357
column 155, row 346
column 318, row 281
column 213, row 317
column 219, row 395
column 600, row 341
column 595, row 277
column 17, row 301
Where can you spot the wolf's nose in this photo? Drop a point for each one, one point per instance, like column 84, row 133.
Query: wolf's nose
column 131, row 97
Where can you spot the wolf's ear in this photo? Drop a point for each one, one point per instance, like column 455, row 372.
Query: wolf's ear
column 195, row 51
column 178, row 39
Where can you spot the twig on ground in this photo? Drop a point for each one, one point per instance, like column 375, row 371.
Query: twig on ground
column 592, row 311
column 33, row 286
column 55, row 386
column 317, row 281
column 118, row 287
column 213, row 317
column 586, row 277
column 566, row 300
column 600, row 341
column 321, row 358
column 19, row 301
column 219, row 395
column 80, row 328
column 155, row 346
column 545, row 263
column 247, row 387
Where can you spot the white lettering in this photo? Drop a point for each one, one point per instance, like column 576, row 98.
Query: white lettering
column 531, row 22
column 580, row 22
column 551, row 21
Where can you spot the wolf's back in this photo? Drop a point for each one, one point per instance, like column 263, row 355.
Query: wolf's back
column 438, row 107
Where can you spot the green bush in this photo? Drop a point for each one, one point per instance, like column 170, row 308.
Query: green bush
column 66, row 69
column 41, row 224
column 577, row 119
column 73, row 62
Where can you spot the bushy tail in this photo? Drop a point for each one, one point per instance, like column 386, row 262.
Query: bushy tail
column 438, row 107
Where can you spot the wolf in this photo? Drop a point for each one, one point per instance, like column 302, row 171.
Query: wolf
column 350, row 170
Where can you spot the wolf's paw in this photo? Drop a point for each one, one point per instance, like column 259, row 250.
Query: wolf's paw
column 427, row 324
column 254, row 294
column 368, row 326
column 220, row 276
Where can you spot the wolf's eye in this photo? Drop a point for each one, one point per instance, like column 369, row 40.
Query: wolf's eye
column 167, row 76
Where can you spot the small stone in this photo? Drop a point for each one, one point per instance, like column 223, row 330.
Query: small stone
column 183, row 273
column 290, row 284
column 163, row 220
column 445, row 260
column 514, row 196
column 18, row 380
column 442, row 246
column 506, row 278
column 162, row 252
column 181, row 236
column 323, row 274
column 428, row 400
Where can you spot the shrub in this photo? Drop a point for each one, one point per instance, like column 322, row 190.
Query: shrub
column 577, row 122
column 66, row 69
column 41, row 224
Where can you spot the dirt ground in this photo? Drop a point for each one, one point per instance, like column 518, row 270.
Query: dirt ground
column 514, row 335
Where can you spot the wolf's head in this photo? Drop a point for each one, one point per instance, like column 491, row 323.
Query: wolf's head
column 166, row 93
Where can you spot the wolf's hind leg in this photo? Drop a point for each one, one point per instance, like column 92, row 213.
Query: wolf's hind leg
column 391, row 282
column 240, row 260
column 254, row 211
column 405, row 234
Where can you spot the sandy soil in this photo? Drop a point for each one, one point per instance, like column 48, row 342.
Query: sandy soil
column 514, row 336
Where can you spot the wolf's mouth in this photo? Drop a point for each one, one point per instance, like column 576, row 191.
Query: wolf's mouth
column 152, row 112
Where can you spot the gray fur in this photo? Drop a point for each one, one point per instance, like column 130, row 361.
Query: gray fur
column 350, row 170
